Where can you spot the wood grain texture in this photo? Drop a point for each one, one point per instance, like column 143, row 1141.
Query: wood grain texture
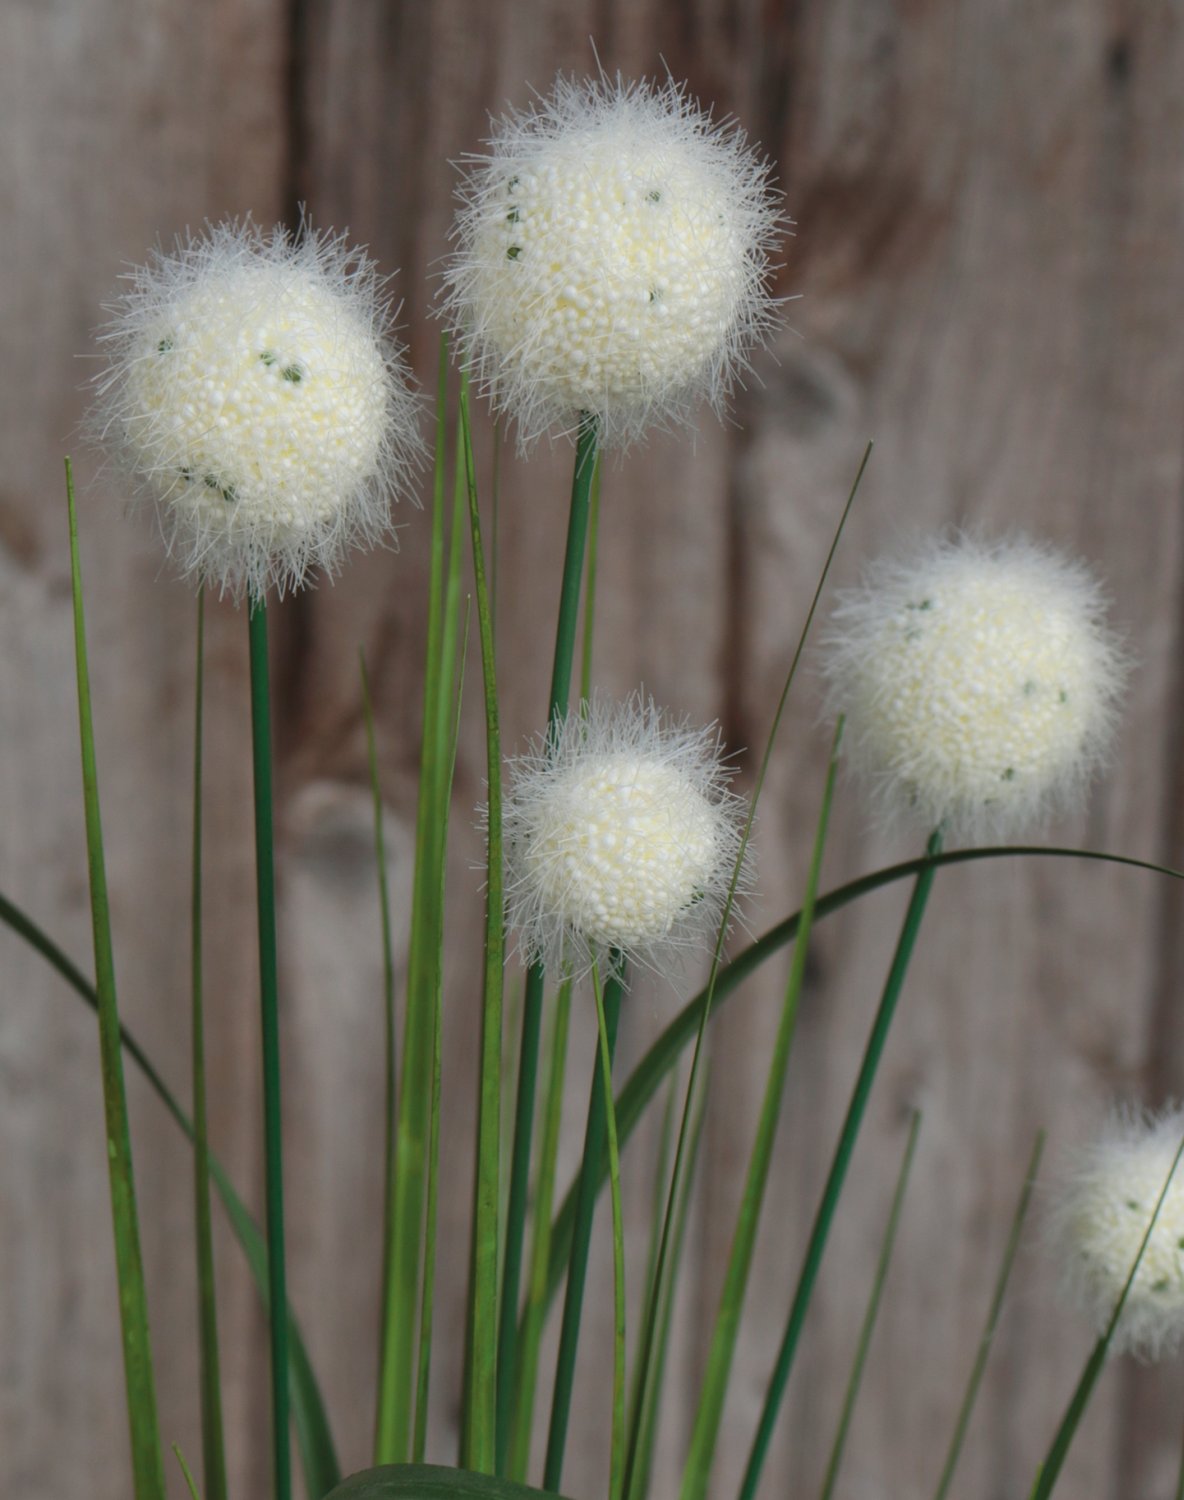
column 990, row 211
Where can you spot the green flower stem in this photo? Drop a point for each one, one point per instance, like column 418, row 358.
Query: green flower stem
column 647, row 1399
column 727, row 1323
column 988, row 1335
column 532, row 1322
column 873, row 1308
column 147, row 1460
column 594, row 1148
column 1050, row 1469
column 269, row 991
column 213, row 1448
column 617, row 1451
column 481, row 1405
column 838, row 1168
column 532, row 1006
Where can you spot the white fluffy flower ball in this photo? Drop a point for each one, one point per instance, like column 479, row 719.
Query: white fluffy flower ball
column 1105, row 1207
column 253, row 394
column 979, row 683
column 620, row 834
column 613, row 258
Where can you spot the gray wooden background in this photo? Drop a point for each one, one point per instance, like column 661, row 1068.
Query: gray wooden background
column 990, row 244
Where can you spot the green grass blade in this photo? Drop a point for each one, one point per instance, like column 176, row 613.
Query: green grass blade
column 1051, row 1467
column 526, row 1374
column 481, row 1445
column 657, row 1210
column 873, row 1308
column 594, row 1147
column 988, row 1334
column 727, row 1324
column 663, row 1054
column 431, row 1482
column 647, row 1404
column 397, row 1376
column 273, row 1135
column 147, row 1460
column 213, row 1448
column 321, row 1468
column 390, row 1048
column 583, row 477
column 649, row 1332
column 820, row 1230
column 428, row 1301
column 190, row 1484
column 617, row 1441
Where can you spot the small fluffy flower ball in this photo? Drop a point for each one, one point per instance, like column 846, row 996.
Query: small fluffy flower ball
column 253, row 394
column 978, row 681
column 1106, row 1206
column 620, row 834
column 612, row 258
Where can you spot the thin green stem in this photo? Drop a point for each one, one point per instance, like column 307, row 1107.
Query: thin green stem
column 837, row 1175
column 269, row 992
column 481, row 1446
column 591, row 574
column 213, row 1449
column 428, row 1296
column 988, row 1334
column 147, row 1460
column 532, row 1322
column 647, row 1400
column 727, row 1324
column 186, row 1474
column 617, row 1446
column 390, row 1046
column 532, row 1006
column 594, row 1146
column 873, row 1308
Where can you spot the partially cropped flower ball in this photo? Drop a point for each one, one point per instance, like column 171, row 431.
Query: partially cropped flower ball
column 253, row 394
column 613, row 257
column 979, row 683
column 620, row 834
column 1105, row 1208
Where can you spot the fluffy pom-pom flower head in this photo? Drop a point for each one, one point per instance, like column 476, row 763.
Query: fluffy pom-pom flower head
column 252, row 393
column 979, row 683
column 612, row 258
column 1105, row 1206
column 622, row 836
